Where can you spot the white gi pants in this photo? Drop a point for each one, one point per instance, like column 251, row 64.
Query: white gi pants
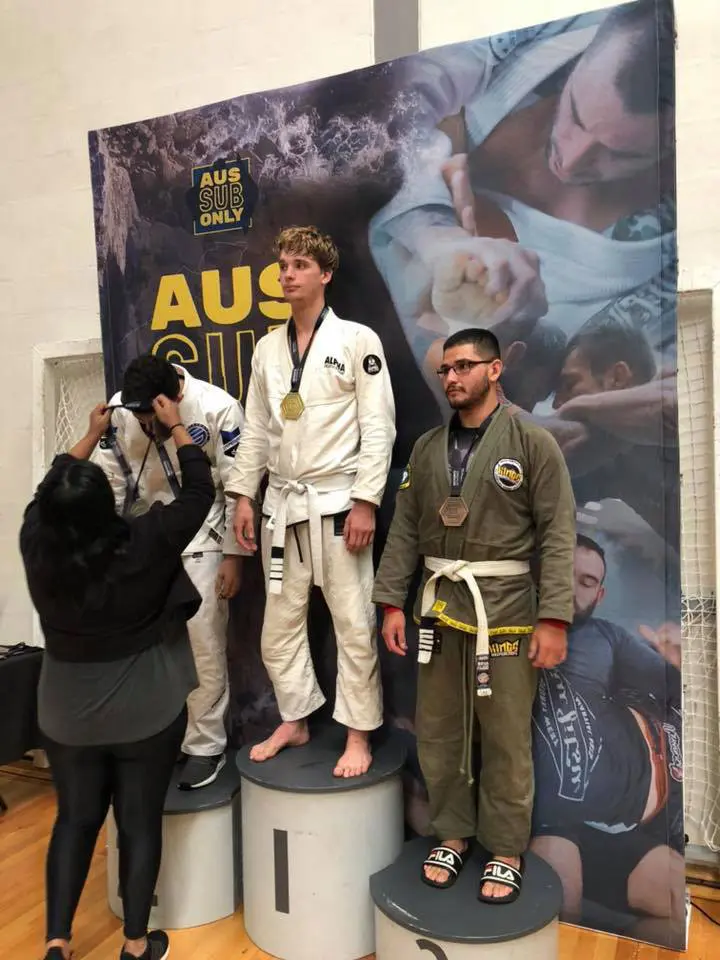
column 207, row 704
column 348, row 581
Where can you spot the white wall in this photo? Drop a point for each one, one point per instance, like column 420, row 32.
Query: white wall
column 73, row 66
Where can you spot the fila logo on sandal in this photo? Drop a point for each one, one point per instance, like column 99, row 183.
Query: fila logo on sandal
column 442, row 857
column 502, row 873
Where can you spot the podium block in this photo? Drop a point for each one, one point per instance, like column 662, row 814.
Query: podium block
column 413, row 920
column 200, row 874
column 311, row 841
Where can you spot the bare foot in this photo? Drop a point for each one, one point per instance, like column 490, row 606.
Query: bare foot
column 291, row 733
column 492, row 888
column 357, row 757
column 440, row 874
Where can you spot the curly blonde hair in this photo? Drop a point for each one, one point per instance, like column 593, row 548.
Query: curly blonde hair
column 309, row 242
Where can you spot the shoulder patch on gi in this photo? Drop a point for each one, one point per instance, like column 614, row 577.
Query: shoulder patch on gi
column 372, row 364
column 508, row 474
column 106, row 440
column 406, row 478
column 199, row 433
column 230, row 440
column 503, row 44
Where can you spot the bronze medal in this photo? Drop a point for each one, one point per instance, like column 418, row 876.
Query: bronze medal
column 453, row 512
column 292, row 406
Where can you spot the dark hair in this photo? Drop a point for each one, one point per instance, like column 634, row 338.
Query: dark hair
column 646, row 80
column 79, row 532
column 147, row 377
column 589, row 544
column 485, row 342
column 606, row 341
column 546, row 347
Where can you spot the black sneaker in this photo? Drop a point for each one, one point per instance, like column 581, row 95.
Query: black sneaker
column 55, row 953
column 200, row 771
column 157, row 949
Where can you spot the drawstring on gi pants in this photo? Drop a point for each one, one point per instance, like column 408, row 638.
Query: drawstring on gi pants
column 468, row 694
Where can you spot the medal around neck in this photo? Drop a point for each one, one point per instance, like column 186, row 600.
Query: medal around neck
column 453, row 512
column 292, row 406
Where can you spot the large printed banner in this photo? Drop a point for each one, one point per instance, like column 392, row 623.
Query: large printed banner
column 546, row 155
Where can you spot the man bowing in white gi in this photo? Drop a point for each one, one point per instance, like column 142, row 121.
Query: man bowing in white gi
column 320, row 419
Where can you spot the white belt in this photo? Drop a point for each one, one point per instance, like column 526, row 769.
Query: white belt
column 277, row 523
column 457, row 570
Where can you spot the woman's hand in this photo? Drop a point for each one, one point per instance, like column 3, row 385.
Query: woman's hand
column 99, row 421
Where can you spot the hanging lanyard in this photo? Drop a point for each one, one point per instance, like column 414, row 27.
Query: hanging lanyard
column 132, row 489
column 298, row 363
column 168, row 467
column 457, row 463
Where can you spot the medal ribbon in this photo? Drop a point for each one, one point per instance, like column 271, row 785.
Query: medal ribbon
column 298, row 363
column 457, row 463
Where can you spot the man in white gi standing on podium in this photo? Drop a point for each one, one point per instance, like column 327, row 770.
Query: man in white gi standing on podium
column 320, row 419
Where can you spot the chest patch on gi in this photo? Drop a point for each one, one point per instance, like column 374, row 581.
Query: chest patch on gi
column 372, row 364
column 406, row 478
column 508, row 474
column 334, row 364
column 199, row 433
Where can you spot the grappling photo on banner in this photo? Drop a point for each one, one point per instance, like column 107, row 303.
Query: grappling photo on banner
column 524, row 183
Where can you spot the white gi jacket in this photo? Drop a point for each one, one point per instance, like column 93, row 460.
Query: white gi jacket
column 214, row 420
column 339, row 450
column 490, row 79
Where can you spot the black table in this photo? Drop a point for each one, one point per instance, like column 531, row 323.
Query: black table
column 19, row 675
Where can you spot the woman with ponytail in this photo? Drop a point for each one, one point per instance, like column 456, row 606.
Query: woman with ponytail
column 113, row 601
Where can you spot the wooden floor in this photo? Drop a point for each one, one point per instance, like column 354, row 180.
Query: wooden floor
column 24, row 831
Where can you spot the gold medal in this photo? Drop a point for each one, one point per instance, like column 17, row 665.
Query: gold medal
column 292, row 406
column 453, row 512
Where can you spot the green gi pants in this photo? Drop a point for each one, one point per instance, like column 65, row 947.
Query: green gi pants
column 447, row 707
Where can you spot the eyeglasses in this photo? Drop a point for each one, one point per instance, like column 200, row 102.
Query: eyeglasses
column 460, row 367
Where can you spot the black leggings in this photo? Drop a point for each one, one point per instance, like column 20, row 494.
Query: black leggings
column 135, row 778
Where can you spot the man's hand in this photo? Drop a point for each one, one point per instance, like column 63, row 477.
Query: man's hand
column 359, row 526
column 666, row 640
column 229, row 577
column 99, row 421
column 393, row 631
column 167, row 411
column 481, row 279
column 244, row 524
column 548, row 646
column 571, row 436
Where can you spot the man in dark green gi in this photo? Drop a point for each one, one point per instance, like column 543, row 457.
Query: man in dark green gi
column 480, row 498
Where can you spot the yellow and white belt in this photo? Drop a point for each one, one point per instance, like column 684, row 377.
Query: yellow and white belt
column 467, row 572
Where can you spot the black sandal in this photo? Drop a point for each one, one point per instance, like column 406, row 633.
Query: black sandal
column 498, row 872
column 447, row 859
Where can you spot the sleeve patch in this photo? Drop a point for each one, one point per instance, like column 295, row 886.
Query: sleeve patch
column 406, row 478
column 230, row 440
column 199, row 434
column 372, row 364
